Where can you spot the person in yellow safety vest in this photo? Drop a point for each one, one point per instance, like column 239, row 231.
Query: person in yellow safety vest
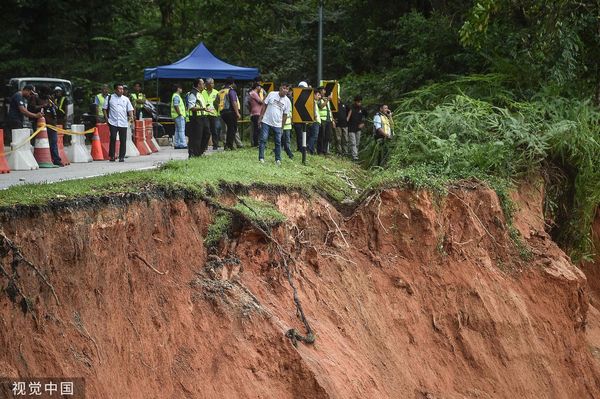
column 99, row 100
column 138, row 99
column 178, row 114
column 287, row 130
column 229, row 105
column 327, row 123
column 61, row 103
column 210, row 95
column 199, row 132
column 316, row 125
column 383, row 125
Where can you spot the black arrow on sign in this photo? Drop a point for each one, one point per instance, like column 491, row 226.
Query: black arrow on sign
column 300, row 106
column 329, row 88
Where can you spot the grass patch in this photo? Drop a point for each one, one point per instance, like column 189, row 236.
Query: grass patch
column 325, row 175
column 262, row 213
column 220, row 227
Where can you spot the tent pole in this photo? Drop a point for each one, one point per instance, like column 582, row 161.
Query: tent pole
column 157, row 90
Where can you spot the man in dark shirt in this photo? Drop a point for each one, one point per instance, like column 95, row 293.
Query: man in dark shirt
column 356, row 121
column 50, row 111
column 341, row 129
column 18, row 108
column 231, row 113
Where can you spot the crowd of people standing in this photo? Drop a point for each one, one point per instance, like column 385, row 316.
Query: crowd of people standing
column 208, row 116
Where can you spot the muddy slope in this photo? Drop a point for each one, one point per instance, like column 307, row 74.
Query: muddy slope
column 411, row 296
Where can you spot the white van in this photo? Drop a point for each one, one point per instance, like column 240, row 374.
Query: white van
column 16, row 84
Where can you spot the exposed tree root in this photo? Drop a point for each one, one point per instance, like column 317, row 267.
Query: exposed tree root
column 18, row 255
column 155, row 270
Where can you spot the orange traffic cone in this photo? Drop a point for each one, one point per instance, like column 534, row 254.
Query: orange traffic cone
column 3, row 163
column 61, row 148
column 41, row 151
column 104, row 134
column 96, row 147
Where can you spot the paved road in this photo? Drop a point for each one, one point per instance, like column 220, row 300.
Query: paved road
column 97, row 168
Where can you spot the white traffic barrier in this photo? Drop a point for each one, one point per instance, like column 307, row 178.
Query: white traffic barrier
column 154, row 139
column 132, row 150
column 21, row 157
column 78, row 152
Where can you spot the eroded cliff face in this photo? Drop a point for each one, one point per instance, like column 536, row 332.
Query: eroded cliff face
column 410, row 296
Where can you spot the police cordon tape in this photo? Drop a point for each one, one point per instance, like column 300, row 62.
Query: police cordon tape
column 42, row 126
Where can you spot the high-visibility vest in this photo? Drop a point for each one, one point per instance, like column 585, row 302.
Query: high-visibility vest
column 135, row 97
column 101, row 100
column 209, row 100
column 288, row 122
column 317, row 114
column 60, row 105
column 181, row 106
column 325, row 112
column 200, row 101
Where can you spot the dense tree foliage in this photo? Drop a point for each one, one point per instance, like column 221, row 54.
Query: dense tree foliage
column 381, row 48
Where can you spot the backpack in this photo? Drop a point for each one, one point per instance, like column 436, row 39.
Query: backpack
column 224, row 103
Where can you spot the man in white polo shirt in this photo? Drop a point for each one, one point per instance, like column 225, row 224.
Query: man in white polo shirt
column 276, row 109
column 117, row 108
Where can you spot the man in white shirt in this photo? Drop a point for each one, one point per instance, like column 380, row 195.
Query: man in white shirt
column 117, row 108
column 277, row 108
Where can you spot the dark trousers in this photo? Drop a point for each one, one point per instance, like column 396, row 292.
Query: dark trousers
column 113, row 141
column 231, row 122
column 53, row 142
column 255, row 130
column 299, row 128
column 199, row 134
column 324, row 137
column 212, row 127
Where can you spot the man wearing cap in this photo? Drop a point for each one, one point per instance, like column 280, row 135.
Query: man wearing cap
column 116, row 109
column 61, row 103
column 18, row 108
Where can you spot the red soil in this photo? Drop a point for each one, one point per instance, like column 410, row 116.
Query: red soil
column 412, row 296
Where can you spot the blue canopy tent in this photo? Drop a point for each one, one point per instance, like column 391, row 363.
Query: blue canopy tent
column 200, row 63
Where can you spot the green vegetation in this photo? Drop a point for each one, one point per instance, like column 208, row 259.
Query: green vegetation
column 325, row 175
column 219, row 228
column 263, row 213
column 489, row 136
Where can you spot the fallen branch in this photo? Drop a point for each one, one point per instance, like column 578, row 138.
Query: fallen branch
column 379, row 211
column 476, row 217
column 310, row 337
column 136, row 255
column 326, row 254
column 337, row 227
